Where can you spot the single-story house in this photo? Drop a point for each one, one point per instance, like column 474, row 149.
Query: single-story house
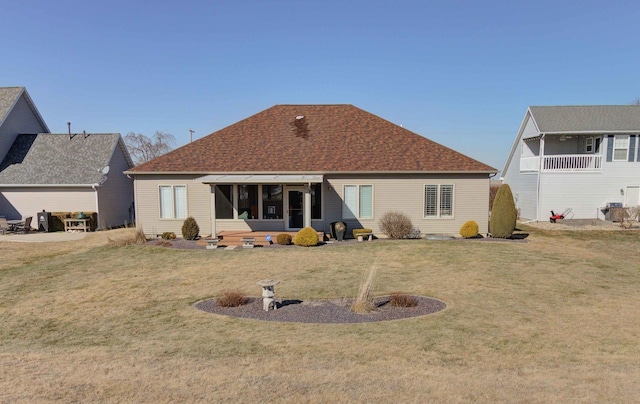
column 293, row 166
column 59, row 172
column 577, row 159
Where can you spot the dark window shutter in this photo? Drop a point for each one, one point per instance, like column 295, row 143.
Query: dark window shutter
column 609, row 147
column 632, row 147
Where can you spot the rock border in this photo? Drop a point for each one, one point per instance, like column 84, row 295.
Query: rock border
column 329, row 311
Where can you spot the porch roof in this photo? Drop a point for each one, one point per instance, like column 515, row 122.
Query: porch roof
column 260, row 179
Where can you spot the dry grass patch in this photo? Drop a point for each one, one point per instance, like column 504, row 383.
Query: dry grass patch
column 550, row 319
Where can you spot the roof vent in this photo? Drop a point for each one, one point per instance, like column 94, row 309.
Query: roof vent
column 301, row 127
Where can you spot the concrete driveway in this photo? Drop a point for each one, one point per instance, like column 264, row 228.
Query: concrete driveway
column 35, row 237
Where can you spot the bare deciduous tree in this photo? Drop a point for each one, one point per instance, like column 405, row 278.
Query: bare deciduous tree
column 142, row 148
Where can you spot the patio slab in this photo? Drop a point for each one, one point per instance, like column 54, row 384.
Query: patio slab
column 43, row 237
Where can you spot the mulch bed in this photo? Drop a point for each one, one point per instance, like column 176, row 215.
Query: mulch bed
column 337, row 311
column 182, row 244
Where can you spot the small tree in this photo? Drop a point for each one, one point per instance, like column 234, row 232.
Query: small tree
column 504, row 213
column 142, row 148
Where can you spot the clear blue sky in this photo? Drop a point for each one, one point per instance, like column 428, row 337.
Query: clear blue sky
column 461, row 73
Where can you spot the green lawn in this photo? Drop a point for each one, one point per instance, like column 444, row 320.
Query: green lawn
column 554, row 318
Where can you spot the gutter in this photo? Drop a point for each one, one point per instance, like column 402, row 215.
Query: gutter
column 299, row 172
column 48, row 185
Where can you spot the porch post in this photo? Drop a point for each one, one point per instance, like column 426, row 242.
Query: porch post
column 538, row 189
column 307, row 206
column 213, row 210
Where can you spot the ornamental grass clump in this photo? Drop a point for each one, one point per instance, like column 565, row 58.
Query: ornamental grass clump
column 168, row 235
column 396, row 225
column 190, row 229
column 232, row 298
column 503, row 214
column 136, row 238
column 469, row 229
column 364, row 302
column 283, row 239
column 307, row 237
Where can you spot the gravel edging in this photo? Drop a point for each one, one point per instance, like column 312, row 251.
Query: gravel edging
column 336, row 311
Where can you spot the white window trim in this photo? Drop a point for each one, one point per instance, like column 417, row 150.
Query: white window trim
column 357, row 207
column 626, row 148
column 438, row 202
column 590, row 144
column 173, row 201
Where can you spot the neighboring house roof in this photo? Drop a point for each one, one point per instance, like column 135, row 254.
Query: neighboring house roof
column 57, row 159
column 587, row 118
column 9, row 96
column 324, row 138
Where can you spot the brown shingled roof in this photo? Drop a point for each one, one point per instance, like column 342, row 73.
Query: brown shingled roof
column 325, row 138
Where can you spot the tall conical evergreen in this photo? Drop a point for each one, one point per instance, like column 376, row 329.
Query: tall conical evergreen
column 504, row 214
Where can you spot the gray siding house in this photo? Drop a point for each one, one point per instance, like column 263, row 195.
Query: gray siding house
column 293, row 166
column 59, row 172
column 577, row 158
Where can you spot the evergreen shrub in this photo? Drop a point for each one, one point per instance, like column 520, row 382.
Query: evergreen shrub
column 504, row 214
column 190, row 229
column 469, row 229
column 283, row 239
column 307, row 237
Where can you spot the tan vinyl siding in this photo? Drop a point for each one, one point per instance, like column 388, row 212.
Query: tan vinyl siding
column 406, row 194
column 390, row 192
column 17, row 203
column 115, row 196
column 148, row 204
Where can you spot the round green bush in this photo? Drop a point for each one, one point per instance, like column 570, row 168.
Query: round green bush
column 283, row 239
column 503, row 214
column 190, row 229
column 307, row 237
column 469, row 229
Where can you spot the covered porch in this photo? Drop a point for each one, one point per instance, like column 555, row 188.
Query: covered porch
column 562, row 153
column 272, row 203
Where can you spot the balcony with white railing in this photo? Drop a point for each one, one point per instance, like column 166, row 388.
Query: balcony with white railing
column 563, row 163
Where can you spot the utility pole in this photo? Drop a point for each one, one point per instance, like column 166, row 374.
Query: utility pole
column 191, row 134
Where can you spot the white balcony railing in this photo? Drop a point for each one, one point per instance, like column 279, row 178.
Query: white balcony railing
column 563, row 163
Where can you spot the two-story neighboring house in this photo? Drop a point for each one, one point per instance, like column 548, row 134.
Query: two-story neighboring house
column 581, row 158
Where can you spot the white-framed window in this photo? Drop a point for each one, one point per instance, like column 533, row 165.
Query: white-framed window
column 173, row 201
column 357, row 202
column 588, row 145
column 620, row 147
column 438, row 201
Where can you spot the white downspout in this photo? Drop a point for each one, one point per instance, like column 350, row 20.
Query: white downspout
column 95, row 189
